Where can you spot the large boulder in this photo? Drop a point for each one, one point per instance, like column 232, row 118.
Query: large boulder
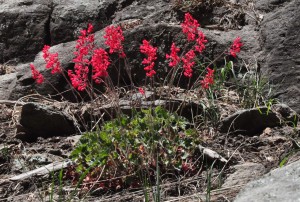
column 38, row 120
column 280, row 40
column 249, row 121
column 244, row 173
column 281, row 184
column 26, row 25
column 7, row 83
column 23, row 28
column 149, row 12
column 68, row 17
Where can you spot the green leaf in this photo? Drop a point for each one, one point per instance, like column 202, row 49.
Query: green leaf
column 190, row 132
column 283, row 161
column 105, row 137
column 124, row 121
column 229, row 65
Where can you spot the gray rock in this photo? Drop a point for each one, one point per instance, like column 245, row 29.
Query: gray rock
column 269, row 5
column 23, row 28
column 17, row 165
column 7, row 83
column 150, row 12
column 287, row 114
column 280, row 39
column 68, row 17
column 43, row 159
column 281, row 184
column 244, row 173
column 26, row 25
column 73, row 139
column 42, row 121
column 38, row 159
column 249, row 121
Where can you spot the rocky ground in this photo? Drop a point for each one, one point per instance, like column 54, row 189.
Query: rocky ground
column 249, row 157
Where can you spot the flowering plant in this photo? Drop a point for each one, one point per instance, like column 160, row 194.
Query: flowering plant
column 87, row 55
column 130, row 143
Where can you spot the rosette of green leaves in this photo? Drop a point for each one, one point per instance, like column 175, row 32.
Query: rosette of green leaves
column 131, row 143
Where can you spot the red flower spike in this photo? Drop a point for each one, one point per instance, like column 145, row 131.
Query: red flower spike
column 189, row 27
column 90, row 28
column 114, row 38
column 100, row 63
column 84, row 46
column 208, row 79
column 51, row 60
column 79, row 79
column 175, row 59
column 46, row 51
column 200, row 46
column 188, row 63
column 142, row 91
column 150, row 51
column 236, row 47
column 36, row 75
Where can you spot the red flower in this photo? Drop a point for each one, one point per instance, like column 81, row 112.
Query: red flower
column 187, row 167
column 51, row 60
column 84, row 46
column 100, row 63
column 141, row 90
column 79, row 79
column 188, row 63
column 236, row 47
column 189, row 27
column 200, row 42
column 90, row 28
column 36, row 75
column 208, row 79
column 114, row 38
column 175, row 59
column 150, row 51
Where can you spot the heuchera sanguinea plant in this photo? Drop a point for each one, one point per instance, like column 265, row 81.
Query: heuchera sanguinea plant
column 84, row 47
column 36, row 75
column 100, row 63
column 51, row 60
column 188, row 63
column 87, row 56
column 150, row 51
column 91, row 62
column 174, row 58
column 190, row 27
column 114, row 38
column 236, row 47
column 208, row 79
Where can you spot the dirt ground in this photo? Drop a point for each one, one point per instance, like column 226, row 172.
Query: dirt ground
column 271, row 148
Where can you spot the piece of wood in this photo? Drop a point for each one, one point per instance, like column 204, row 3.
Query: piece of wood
column 42, row 170
column 211, row 154
column 11, row 102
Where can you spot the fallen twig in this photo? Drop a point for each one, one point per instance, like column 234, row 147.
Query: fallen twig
column 12, row 102
column 42, row 170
